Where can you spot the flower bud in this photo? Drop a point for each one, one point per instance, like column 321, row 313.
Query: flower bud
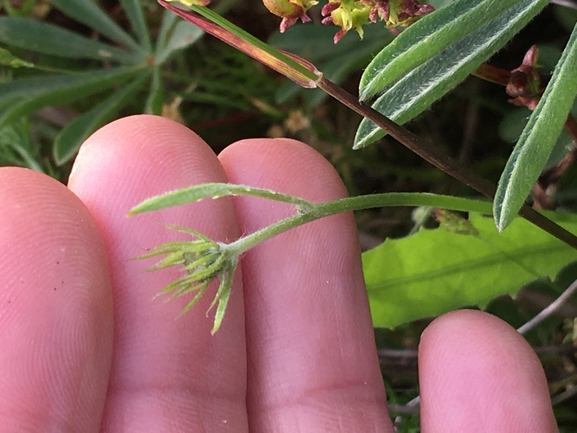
column 290, row 11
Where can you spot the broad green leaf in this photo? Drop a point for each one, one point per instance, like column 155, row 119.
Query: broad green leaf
column 133, row 9
column 183, row 35
column 87, row 12
column 427, row 37
column 68, row 141
column 23, row 96
column 49, row 39
column 8, row 59
column 425, row 84
column 538, row 138
column 436, row 271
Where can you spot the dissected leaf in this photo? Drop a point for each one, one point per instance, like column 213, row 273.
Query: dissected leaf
column 49, row 39
column 538, row 138
column 23, row 96
column 427, row 37
column 421, row 87
column 436, row 271
column 73, row 135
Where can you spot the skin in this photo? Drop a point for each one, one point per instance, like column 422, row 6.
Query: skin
column 85, row 346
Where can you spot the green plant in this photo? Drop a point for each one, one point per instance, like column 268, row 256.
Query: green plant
column 132, row 64
column 436, row 53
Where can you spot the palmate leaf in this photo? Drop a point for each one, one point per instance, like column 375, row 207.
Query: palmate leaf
column 88, row 12
column 538, row 138
column 136, row 16
column 17, row 98
column 425, row 84
column 49, row 39
column 68, row 141
column 436, row 271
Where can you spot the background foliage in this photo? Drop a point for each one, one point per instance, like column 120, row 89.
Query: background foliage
column 69, row 66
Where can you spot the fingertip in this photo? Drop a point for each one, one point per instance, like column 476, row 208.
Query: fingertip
column 312, row 358
column 478, row 374
column 164, row 370
column 55, row 307
column 289, row 159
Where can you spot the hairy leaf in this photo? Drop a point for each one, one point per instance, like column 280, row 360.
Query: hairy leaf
column 427, row 37
column 421, row 87
column 538, row 138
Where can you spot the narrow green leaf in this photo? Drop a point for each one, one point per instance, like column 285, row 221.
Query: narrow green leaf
column 166, row 26
column 436, row 271
column 155, row 97
column 87, row 12
column 196, row 193
column 8, row 59
column 290, row 66
column 23, row 96
column 427, row 37
column 16, row 147
column 418, row 89
column 182, row 36
column 49, row 39
column 68, row 141
column 538, row 138
column 133, row 9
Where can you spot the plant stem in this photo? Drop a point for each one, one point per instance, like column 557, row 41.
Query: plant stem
column 440, row 160
column 349, row 204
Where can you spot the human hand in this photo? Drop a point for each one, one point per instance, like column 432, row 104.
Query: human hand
column 84, row 347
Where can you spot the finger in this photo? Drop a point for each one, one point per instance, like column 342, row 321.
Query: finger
column 168, row 372
column 55, row 308
column 477, row 374
column 312, row 358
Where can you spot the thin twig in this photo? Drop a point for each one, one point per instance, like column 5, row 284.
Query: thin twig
column 555, row 305
column 440, row 160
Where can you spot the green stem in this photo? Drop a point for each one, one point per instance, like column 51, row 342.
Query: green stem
column 350, row 204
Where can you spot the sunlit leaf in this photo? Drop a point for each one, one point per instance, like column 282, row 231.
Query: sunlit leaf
column 436, row 271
